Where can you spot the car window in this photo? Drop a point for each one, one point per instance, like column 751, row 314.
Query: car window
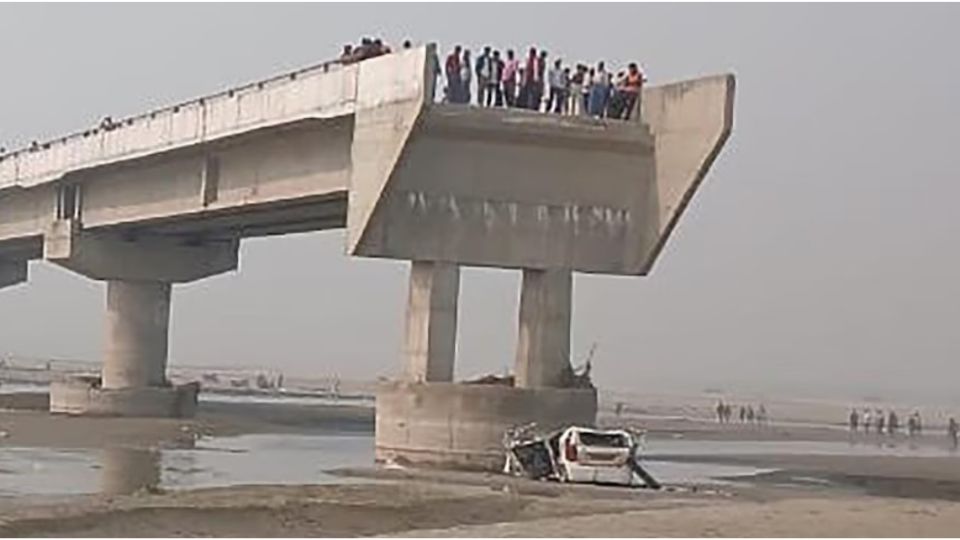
column 612, row 440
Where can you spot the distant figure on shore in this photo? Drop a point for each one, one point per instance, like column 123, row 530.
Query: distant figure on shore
column 953, row 430
column 619, row 409
column 743, row 414
column 867, row 418
column 854, row 420
column 762, row 415
column 893, row 423
column 750, row 415
column 721, row 409
column 881, row 419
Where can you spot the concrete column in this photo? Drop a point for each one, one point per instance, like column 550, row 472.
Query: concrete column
column 432, row 321
column 138, row 317
column 543, row 341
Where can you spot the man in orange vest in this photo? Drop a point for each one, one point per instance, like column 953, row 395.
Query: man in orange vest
column 632, row 88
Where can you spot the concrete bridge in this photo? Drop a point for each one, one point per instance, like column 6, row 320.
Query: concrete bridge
column 166, row 197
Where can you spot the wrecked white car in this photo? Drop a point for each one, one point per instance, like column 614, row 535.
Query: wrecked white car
column 577, row 454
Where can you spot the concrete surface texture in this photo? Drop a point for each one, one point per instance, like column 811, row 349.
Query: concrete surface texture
column 166, row 197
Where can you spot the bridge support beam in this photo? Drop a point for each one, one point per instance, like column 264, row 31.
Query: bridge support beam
column 140, row 273
column 543, row 340
column 431, row 340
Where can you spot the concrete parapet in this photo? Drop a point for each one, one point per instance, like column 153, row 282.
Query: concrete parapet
column 85, row 396
column 461, row 426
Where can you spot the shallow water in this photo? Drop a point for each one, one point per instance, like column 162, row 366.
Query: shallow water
column 858, row 446
column 246, row 459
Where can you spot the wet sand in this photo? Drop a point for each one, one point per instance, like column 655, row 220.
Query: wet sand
column 807, row 494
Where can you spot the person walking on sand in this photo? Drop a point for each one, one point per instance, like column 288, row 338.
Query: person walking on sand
column 720, row 412
column 743, row 414
column 953, row 431
column 867, row 420
column 880, row 421
column 854, row 420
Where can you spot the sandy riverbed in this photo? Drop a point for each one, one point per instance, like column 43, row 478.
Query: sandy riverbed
column 812, row 494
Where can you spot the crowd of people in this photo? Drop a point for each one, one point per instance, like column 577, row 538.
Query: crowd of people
column 366, row 49
column 881, row 423
column 746, row 413
column 538, row 83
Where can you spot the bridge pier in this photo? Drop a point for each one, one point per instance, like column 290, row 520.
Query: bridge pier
column 543, row 337
column 140, row 273
column 431, row 340
column 138, row 317
column 427, row 419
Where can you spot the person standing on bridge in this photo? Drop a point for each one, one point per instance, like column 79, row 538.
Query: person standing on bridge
column 540, row 82
column 484, row 72
column 556, row 101
column 599, row 91
column 451, row 69
column 466, row 75
column 527, row 75
column 632, row 89
column 575, row 101
column 494, row 92
column 509, row 79
column 346, row 57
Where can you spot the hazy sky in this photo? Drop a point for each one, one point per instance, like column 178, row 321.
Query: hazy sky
column 820, row 256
